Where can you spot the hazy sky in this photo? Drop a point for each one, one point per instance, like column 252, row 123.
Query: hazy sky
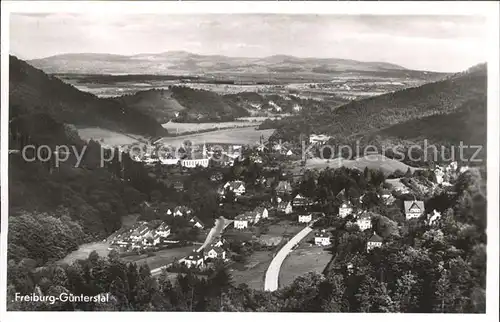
column 438, row 43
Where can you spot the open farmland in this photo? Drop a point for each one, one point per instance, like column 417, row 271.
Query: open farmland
column 179, row 128
column 306, row 258
column 162, row 257
column 276, row 232
column 374, row 161
column 107, row 137
column 253, row 271
column 84, row 251
column 241, row 136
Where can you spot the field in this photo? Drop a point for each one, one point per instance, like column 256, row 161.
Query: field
column 375, row 161
column 84, row 251
column 107, row 137
column 178, row 128
column 396, row 183
column 253, row 272
column 306, row 258
column 241, row 136
column 276, row 232
column 162, row 257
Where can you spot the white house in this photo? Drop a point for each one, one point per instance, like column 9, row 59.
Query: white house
column 289, row 153
column 305, row 218
column 218, row 242
column 414, row 209
column 321, row 138
column 163, row 230
column 321, row 238
column 434, row 217
column 196, row 222
column 374, row 242
column 240, row 222
column 283, row 187
column 345, row 210
column 262, row 211
column 181, row 211
column 238, row 187
column 169, row 212
column 285, row 207
column 194, row 163
column 194, row 259
column 439, row 173
column 301, row 201
column 215, row 252
column 364, row 221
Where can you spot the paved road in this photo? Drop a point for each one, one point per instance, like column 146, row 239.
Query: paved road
column 273, row 271
column 220, row 224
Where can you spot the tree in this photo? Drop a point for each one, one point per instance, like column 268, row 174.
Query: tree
column 406, row 293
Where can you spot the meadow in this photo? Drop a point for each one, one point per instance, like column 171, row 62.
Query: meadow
column 374, row 161
column 243, row 136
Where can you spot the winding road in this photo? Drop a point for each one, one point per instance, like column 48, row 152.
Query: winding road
column 273, row 271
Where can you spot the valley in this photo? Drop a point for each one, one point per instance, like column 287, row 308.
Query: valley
column 296, row 221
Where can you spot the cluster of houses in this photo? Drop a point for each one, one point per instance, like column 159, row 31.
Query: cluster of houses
column 322, row 239
column 198, row 258
column 195, row 159
column 445, row 173
column 236, row 186
column 248, row 218
column 142, row 235
column 186, row 212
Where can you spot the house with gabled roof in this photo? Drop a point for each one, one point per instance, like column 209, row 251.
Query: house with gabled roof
column 217, row 242
column 162, row 231
column 215, row 252
column 374, row 242
column 414, row 209
column 196, row 222
column 195, row 259
column 345, row 209
column 285, row 207
column 305, row 218
column 237, row 186
column 364, row 221
column 301, row 201
column 262, row 211
column 244, row 220
column 181, row 211
column 283, row 187
column 322, row 238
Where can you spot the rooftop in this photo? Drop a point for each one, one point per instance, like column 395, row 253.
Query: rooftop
column 414, row 203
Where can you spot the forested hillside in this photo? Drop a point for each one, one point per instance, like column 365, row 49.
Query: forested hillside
column 33, row 91
column 183, row 104
column 370, row 115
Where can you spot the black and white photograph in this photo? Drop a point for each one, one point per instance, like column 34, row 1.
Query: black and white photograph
column 320, row 160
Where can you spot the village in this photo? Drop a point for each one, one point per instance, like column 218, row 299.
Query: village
column 262, row 205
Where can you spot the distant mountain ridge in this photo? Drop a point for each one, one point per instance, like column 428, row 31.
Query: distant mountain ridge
column 31, row 92
column 172, row 62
